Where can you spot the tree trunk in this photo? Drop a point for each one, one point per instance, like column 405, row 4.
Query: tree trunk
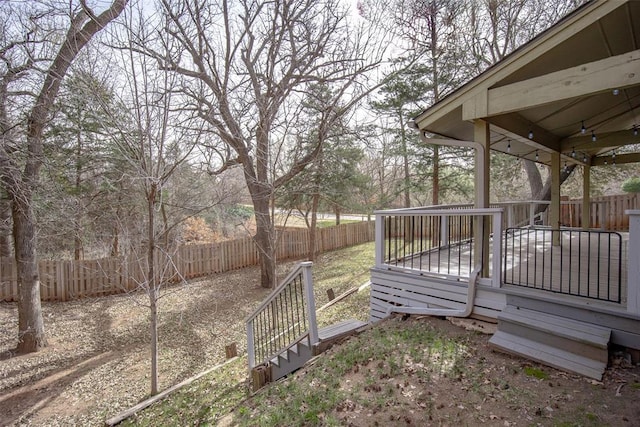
column 153, row 305
column 21, row 185
column 153, row 287
column 315, row 199
column 265, row 235
column 31, row 335
column 115, row 242
column 540, row 191
column 337, row 210
column 535, row 179
column 5, row 227
column 405, row 159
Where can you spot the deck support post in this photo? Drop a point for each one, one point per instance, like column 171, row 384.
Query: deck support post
column 633, row 263
column 481, row 224
column 586, row 197
column 554, row 209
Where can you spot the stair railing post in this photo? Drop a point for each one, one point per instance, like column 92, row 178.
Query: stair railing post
column 311, row 304
column 250, row 345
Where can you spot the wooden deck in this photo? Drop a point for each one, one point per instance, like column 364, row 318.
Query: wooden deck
column 591, row 265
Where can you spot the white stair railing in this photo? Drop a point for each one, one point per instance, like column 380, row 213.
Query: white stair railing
column 285, row 317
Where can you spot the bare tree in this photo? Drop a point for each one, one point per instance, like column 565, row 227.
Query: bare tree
column 496, row 28
column 155, row 140
column 38, row 43
column 248, row 64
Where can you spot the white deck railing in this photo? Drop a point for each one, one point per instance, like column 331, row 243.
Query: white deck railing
column 441, row 242
column 285, row 317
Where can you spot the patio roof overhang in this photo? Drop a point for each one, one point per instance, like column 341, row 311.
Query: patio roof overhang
column 585, row 70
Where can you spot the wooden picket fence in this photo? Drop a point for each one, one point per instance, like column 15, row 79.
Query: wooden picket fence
column 63, row 280
column 607, row 212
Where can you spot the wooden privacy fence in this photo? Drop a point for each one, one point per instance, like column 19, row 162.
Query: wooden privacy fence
column 62, row 280
column 607, row 212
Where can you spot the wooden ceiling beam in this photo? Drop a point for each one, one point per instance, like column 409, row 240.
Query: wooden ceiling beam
column 616, row 72
column 619, row 159
column 605, row 140
column 516, row 124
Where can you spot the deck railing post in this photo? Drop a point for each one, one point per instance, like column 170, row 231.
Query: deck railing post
column 311, row 302
column 379, row 239
column 496, row 273
column 532, row 214
column 633, row 262
column 444, row 230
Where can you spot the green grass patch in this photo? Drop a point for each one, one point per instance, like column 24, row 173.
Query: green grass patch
column 378, row 354
column 536, row 373
column 203, row 402
column 208, row 399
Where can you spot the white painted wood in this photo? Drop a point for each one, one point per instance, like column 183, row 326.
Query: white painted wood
column 380, row 241
column 555, row 340
column 548, row 355
column 586, row 197
column 339, row 329
column 389, row 282
column 588, row 333
column 311, row 302
column 633, row 263
column 251, row 355
column 496, row 271
column 554, row 209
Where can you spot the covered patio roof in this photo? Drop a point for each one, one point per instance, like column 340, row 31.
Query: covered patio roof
column 573, row 90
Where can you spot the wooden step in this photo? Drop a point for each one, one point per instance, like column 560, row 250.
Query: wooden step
column 582, row 332
column 296, row 355
column 548, row 355
column 340, row 329
column 291, row 359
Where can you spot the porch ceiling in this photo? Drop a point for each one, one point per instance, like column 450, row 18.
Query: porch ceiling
column 585, row 69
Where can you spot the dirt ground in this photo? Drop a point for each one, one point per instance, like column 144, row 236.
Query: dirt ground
column 493, row 388
column 413, row 381
column 97, row 365
column 98, row 360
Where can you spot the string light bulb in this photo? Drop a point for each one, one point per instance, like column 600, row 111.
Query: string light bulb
column 583, row 129
column 537, row 157
column 593, row 136
column 565, row 167
column 584, row 158
column 616, row 92
column 573, row 152
column 530, row 134
column 509, row 146
column 635, row 130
